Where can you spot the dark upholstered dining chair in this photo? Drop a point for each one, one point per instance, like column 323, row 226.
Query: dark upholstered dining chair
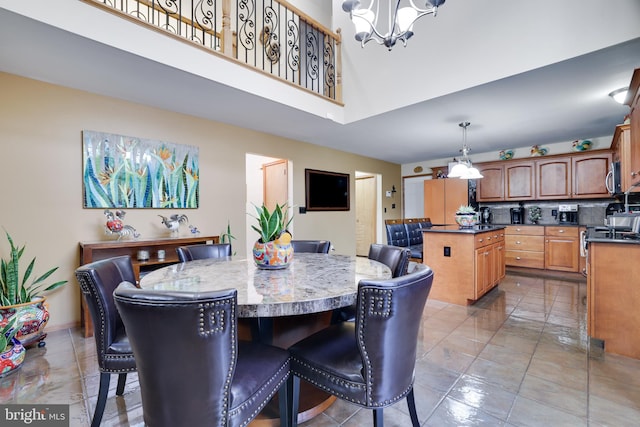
column 369, row 362
column 192, row 369
column 311, row 246
column 97, row 282
column 394, row 257
column 204, row 251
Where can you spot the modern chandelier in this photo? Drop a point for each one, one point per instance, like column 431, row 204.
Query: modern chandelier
column 464, row 169
column 400, row 20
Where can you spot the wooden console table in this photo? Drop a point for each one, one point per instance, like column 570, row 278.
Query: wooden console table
column 95, row 251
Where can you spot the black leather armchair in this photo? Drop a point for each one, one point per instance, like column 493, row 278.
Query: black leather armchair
column 97, row 282
column 204, row 251
column 369, row 362
column 192, row 369
column 312, row 246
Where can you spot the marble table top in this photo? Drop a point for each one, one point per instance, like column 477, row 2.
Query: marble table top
column 311, row 284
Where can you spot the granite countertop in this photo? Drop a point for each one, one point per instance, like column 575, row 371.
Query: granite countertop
column 595, row 235
column 454, row 228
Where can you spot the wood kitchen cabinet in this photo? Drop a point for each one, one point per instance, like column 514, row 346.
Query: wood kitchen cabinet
column 622, row 149
column 562, row 248
column 630, row 162
column 443, row 197
column 491, row 187
column 576, row 176
column 613, row 297
column 520, row 180
column 554, row 178
column 524, row 246
column 588, row 173
column 561, row 177
column 466, row 264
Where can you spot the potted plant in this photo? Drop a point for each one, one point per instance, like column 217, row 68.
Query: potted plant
column 535, row 213
column 466, row 216
column 23, row 299
column 226, row 236
column 11, row 350
column 273, row 249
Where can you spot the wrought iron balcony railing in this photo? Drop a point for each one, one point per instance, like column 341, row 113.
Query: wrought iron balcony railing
column 272, row 36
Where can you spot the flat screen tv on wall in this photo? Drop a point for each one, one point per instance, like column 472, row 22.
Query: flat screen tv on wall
column 326, row 191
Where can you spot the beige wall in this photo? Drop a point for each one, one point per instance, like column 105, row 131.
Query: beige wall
column 41, row 177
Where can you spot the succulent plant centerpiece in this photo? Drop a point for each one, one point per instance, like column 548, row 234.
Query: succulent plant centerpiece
column 273, row 249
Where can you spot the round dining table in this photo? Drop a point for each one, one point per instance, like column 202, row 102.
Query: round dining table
column 312, row 283
column 278, row 306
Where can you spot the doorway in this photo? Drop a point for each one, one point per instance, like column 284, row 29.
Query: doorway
column 368, row 208
column 268, row 181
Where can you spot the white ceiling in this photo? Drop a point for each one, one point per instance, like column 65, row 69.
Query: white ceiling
column 556, row 102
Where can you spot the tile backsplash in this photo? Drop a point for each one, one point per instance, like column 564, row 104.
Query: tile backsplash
column 589, row 212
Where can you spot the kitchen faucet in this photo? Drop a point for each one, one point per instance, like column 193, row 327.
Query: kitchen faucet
column 626, row 196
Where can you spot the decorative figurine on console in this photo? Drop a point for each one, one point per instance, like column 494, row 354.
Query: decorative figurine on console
column 173, row 222
column 116, row 226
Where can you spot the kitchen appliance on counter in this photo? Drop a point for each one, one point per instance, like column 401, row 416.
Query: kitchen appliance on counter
column 568, row 214
column 517, row 215
column 624, row 221
column 486, row 217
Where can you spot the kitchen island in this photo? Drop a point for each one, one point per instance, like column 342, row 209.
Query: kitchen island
column 613, row 291
column 467, row 262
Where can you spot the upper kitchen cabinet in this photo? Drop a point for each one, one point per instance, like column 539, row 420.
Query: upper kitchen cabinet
column 630, row 161
column 520, row 181
column 570, row 176
column 491, row 187
column 625, row 152
column 575, row 176
column 588, row 175
column 554, row 178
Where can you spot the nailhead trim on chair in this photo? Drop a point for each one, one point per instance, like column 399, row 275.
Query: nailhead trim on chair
column 264, row 402
column 373, row 296
column 338, row 381
column 86, row 285
column 204, row 333
column 379, row 304
column 215, row 317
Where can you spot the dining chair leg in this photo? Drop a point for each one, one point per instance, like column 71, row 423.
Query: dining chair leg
column 284, row 402
column 102, row 399
column 378, row 419
column 122, row 380
column 294, row 387
column 411, row 402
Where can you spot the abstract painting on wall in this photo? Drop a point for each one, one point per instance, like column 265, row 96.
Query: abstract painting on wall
column 128, row 172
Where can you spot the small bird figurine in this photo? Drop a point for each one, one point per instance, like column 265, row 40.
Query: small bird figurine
column 115, row 225
column 581, row 145
column 538, row 151
column 174, row 221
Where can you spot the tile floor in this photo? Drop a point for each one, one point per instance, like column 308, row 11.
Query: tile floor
column 519, row 357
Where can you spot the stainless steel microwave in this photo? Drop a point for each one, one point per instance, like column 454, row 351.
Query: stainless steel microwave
column 613, row 181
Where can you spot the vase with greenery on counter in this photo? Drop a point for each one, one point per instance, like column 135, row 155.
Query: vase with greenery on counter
column 466, row 216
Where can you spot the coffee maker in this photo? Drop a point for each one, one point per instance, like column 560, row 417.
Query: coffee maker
column 517, row 215
column 485, row 215
column 567, row 214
